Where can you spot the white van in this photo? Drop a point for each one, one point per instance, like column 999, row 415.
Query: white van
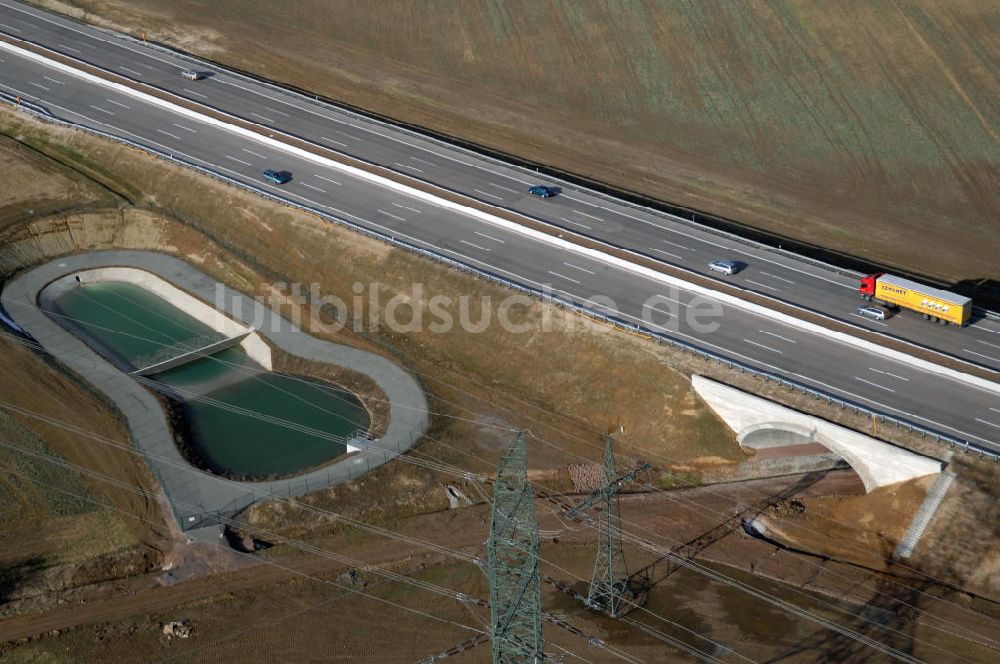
column 192, row 74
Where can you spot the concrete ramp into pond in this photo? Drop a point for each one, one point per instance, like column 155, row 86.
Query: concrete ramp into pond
column 762, row 423
column 192, row 355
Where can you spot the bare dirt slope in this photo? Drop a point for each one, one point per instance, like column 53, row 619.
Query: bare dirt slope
column 869, row 128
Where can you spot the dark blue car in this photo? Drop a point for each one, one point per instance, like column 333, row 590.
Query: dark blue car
column 277, row 177
column 543, row 191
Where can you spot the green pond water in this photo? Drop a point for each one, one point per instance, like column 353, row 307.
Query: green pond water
column 230, row 405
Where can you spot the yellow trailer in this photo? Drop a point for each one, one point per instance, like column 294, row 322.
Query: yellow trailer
column 933, row 303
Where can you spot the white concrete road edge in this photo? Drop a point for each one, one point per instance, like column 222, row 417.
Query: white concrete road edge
column 565, row 245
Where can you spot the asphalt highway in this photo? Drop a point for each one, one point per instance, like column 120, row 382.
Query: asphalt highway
column 868, row 378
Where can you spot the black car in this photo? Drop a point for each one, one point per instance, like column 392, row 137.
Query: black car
column 543, row 191
column 277, row 177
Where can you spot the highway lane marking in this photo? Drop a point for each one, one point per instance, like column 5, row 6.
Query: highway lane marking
column 498, row 186
column 995, row 410
column 987, row 343
column 791, row 341
column 396, row 163
column 676, row 245
column 350, row 136
column 389, row 214
column 118, row 103
column 773, row 350
column 256, row 154
column 757, row 283
column 474, row 245
column 869, row 320
column 575, row 223
column 490, row 237
column 264, row 118
column 9, row 27
column 39, row 85
column 70, row 48
column 588, row 215
column 670, row 299
column 137, row 73
column 486, row 193
column 988, row 357
column 774, row 276
column 328, row 180
column 422, row 161
column 306, row 184
column 563, row 276
column 881, row 387
column 652, row 307
column 407, row 207
column 666, row 253
column 580, row 200
column 887, row 373
column 102, row 110
column 988, row 422
column 330, row 140
column 268, row 108
column 179, row 126
column 143, row 64
column 169, row 134
column 245, row 163
column 196, row 94
column 48, row 78
column 582, row 269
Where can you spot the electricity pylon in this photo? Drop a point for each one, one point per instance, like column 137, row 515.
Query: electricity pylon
column 512, row 563
column 611, row 590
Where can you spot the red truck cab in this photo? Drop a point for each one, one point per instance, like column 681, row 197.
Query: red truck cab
column 867, row 288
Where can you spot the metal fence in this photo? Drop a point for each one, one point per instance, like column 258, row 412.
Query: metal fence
column 559, row 300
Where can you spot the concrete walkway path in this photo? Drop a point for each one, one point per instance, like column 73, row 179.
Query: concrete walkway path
column 198, row 497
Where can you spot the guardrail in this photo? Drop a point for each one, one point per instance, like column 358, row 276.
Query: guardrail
column 545, row 296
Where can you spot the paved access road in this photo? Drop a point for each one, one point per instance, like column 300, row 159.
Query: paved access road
column 656, row 235
column 867, row 378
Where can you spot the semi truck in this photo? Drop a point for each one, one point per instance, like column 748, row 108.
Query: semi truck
column 933, row 304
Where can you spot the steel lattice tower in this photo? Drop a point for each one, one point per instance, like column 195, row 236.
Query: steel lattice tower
column 609, row 587
column 512, row 559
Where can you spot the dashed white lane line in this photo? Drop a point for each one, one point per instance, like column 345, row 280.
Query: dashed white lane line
column 887, row 373
column 869, row 320
column 988, row 357
column 180, row 126
column 341, row 184
column 670, row 299
column 137, row 73
column 992, row 424
column 245, row 163
column 498, row 186
column 486, row 193
column 995, row 410
column 581, row 269
column 412, row 168
column 38, row 85
column 389, row 214
column 575, row 223
column 117, row 103
column 70, row 48
column 666, row 253
column 49, row 78
column 306, row 184
column 580, row 200
column 167, row 133
column 774, row 276
column 563, row 276
column 490, row 237
column 674, row 244
column 256, row 154
column 262, row 117
column 191, row 92
column 9, row 27
column 102, row 110
column 588, row 215
column 274, row 110
column 760, row 345
column 418, row 159
column 474, row 245
column 330, row 140
column 778, row 336
column 757, row 283
column 987, row 343
column 407, row 207
column 652, row 307
column 881, row 387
